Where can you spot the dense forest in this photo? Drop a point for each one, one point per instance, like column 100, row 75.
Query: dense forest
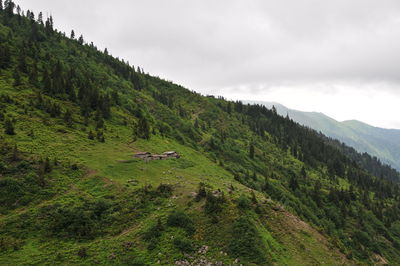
column 264, row 189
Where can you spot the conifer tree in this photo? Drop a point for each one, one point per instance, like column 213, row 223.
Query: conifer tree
column 143, row 128
column 33, row 75
column 303, row 172
column 15, row 153
column 40, row 18
column 9, row 127
column 71, row 93
column 47, row 82
column 1, row 5
column 293, row 184
column 22, row 62
column 5, row 56
column 80, row 40
column 90, row 135
column 251, row 151
column 47, row 166
column 72, row 34
column 9, row 7
column 68, row 118
column 17, row 77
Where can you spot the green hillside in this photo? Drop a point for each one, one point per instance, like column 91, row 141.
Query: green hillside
column 250, row 187
column 379, row 142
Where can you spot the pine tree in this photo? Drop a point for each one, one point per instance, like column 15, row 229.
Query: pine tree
column 303, row 172
column 17, row 78
column 33, row 75
column 134, row 133
column 9, row 127
column 68, row 118
column 9, row 7
column 293, row 184
column 69, row 85
column 22, row 62
column 47, row 82
column 72, row 35
column 251, row 151
column 15, row 153
column 49, row 26
column 274, row 110
column 40, row 18
column 1, row 5
column 5, row 56
column 143, row 128
column 229, row 108
column 91, row 135
column 47, row 166
column 80, row 40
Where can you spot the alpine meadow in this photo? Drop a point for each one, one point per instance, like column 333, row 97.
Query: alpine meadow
column 103, row 163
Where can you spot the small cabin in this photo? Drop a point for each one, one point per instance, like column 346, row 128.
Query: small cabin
column 142, row 155
column 171, row 154
column 158, row 157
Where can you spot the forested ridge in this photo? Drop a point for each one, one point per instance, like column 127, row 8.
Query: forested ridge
column 71, row 118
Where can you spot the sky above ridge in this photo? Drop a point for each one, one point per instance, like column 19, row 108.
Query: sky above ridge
column 338, row 57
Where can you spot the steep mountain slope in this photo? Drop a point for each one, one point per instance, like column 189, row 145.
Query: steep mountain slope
column 250, row 186
column 379, row 142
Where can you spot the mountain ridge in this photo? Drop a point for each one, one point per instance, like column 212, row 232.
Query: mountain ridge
column 380, row 142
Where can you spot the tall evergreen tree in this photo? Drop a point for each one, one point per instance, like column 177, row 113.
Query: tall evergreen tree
column 17, row 77
column 251, row 151
column 33, row 75
column 22, row 62
column 5, row 56
column 143, row 128
column 293, row 184
column 9, row 127
column 40, row 18
column 303, row 172
column 68, row 118
column 9, row 7
column 73, row 34
column 80, row 40
column 47, row 82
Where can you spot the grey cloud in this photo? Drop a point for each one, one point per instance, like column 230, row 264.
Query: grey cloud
column 220, row 44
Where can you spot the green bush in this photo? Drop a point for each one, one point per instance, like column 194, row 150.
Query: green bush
column 153, row 234
column 79, row 221
column 164, row 190
column 246, row 241
column 214, row 203
column 243, row 202
column 183, row 244
column 182, row 220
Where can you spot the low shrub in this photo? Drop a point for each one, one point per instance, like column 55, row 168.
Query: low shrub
column 182, row 220
column 184, row 244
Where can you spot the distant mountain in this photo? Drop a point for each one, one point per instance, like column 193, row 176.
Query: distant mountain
column 379, row 142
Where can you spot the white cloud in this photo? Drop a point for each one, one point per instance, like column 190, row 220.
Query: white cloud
column 304, row 48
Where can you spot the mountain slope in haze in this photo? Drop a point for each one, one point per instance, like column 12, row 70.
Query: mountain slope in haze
column 250, row 187
column 379, row 142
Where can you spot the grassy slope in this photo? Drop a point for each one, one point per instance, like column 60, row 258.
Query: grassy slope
column 110, row 165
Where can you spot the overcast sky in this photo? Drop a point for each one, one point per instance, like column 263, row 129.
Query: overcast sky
column 338, row 57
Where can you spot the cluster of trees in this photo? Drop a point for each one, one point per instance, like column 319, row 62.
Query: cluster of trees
column 62, row 78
